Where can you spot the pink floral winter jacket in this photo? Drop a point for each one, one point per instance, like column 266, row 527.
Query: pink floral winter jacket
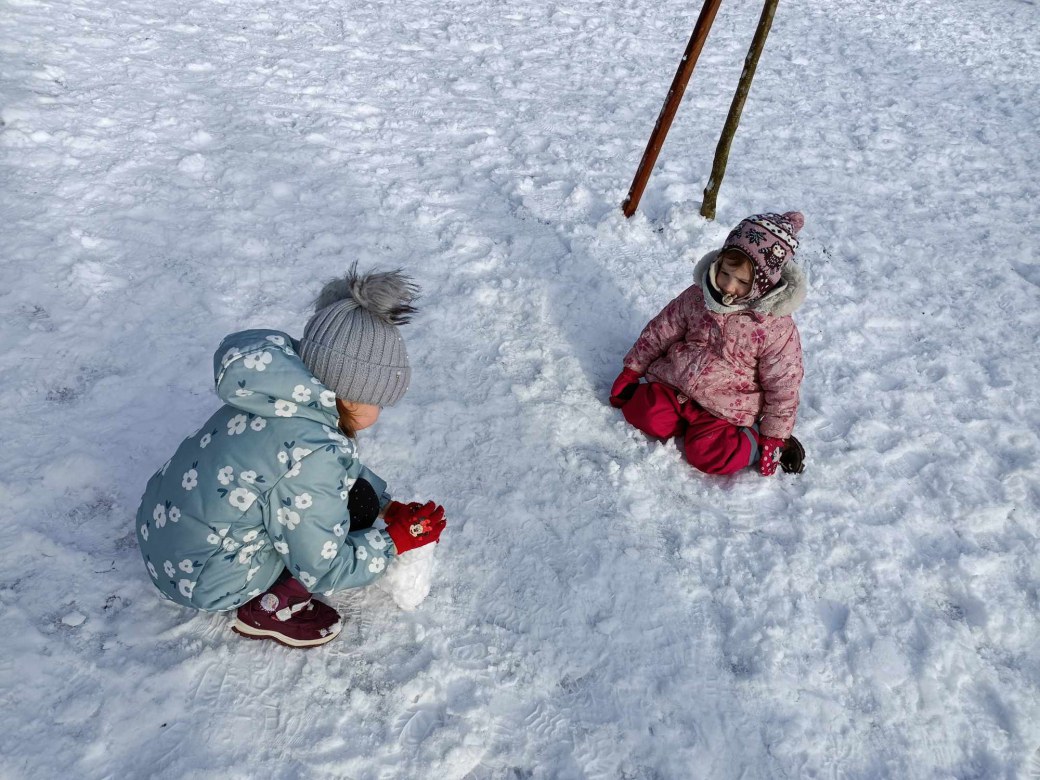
column 743, row 365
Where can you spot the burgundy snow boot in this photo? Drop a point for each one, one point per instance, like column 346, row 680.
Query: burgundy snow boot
column 287, row 614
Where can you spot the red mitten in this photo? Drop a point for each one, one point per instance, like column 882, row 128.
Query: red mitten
column 623, row 388
column 772, row 449
column 414, row 525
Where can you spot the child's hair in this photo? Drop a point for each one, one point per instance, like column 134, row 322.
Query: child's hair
column 737, row 256
column 347, row 421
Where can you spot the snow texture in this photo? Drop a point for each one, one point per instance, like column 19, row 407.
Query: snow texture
column 173, row 171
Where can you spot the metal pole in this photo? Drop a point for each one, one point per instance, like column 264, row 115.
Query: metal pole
column 718, row 167
column 671, row 105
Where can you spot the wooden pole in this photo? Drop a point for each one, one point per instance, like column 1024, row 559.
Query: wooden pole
column 718, row 167
column 671, row 105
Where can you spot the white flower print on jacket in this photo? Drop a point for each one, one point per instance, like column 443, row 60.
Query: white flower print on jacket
column 339, row 441
column 288, row 518
column 241, row 498
column 236, row 425
column 243, row 507
column 376, row 539
column 285, row 408
column 258, row 361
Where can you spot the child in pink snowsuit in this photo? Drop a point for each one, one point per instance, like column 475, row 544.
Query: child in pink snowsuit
column 723, row 361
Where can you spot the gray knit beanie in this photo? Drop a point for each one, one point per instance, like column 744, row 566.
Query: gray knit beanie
column 352, row 343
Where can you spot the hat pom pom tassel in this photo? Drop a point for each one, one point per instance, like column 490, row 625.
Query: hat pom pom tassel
column 796, row 218
column 388, row 295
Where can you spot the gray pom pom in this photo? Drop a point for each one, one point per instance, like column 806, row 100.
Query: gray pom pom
column 386, row 294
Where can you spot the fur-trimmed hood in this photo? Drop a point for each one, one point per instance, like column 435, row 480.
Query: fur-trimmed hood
column 784, row 299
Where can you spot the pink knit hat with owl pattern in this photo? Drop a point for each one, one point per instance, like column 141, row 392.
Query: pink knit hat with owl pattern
column 769, row 240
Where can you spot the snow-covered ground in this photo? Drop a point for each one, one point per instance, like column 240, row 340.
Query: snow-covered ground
column 173, row 171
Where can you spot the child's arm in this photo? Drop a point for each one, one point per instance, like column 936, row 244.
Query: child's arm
column 661, row 332
column 780, row 373
column 307, row 517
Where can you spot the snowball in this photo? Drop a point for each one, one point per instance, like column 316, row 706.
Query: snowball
column 74, row 619
column 409, row 576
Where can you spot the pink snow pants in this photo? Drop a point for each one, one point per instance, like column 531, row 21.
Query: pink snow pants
column 711, row 444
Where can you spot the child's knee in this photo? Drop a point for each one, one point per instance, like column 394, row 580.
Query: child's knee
column 717, row 455
column 651, row 411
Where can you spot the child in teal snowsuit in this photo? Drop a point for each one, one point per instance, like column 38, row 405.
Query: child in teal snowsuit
column 269, row 501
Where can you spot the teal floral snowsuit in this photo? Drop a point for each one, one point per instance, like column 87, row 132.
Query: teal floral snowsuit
column 261, row 487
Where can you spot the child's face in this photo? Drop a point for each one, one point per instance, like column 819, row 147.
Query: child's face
column 734, row 275
column 365, row 415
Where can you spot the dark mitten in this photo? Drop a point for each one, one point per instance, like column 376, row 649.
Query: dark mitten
column 363, row 505
column 792, row 459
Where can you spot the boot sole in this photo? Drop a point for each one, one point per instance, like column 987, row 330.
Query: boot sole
column 248, row 631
